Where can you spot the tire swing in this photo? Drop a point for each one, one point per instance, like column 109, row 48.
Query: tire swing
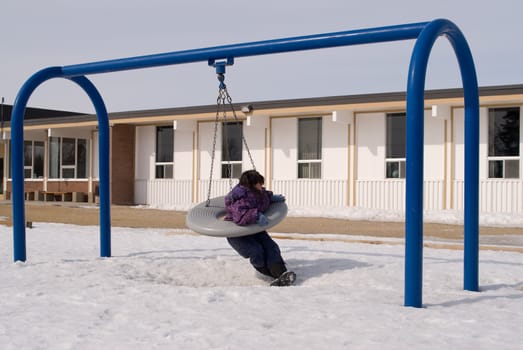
column 207, row 218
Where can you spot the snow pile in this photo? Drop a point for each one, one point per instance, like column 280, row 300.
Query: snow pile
column 166, row 289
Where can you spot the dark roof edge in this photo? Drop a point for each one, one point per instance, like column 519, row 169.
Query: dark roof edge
column 289, row 103
column 329, row 100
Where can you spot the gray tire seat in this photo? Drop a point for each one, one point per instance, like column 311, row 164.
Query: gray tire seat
column 208, row 220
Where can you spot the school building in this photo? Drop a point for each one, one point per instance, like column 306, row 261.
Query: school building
column 340, row 151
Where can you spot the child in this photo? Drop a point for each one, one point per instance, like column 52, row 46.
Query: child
column 245, row 205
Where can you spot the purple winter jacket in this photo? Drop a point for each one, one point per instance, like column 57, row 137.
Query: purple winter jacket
column 243, row 205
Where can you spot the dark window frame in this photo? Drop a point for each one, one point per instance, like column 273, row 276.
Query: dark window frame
column 395, row 145
column 310, row 148
column 232, row 149
column 504, row 129
column 164, row 148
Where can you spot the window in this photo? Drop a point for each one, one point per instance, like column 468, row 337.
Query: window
column 164, row 152
column 309, row 148
column 81, row 159
column 232, row 147
column 395, row 146
column 54, row 157
column 503, row 143
column 33, row 159
column 28, row 159
column 67, row 158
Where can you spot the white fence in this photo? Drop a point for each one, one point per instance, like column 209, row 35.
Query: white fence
column 219, row 187
column 390, row 194
column 496, row 196
column 163, row 192
column 312, row 192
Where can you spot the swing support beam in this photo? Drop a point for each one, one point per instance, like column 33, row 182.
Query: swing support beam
column 425, row 33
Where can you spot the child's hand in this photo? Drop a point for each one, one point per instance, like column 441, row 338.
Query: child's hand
column 262, row 220
column 277, row 198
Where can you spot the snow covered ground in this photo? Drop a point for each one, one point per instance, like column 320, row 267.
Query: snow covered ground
column 451, row 217
column 169, row 289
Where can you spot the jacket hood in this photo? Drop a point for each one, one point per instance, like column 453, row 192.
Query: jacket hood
column 238, row 191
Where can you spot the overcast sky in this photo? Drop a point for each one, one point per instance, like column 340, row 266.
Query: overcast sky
column 35, row 34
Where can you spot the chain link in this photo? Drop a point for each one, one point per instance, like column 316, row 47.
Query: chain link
column 229, row 100
column 223, row 97
column 220, row 100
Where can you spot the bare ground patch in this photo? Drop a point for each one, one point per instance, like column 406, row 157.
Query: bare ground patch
column 128, row 216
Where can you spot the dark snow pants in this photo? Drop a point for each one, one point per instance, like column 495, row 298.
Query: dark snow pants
column 263, row 252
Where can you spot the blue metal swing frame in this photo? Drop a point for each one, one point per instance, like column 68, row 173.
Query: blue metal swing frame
column 425, row 34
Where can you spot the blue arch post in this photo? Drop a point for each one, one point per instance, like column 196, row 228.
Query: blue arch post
column 103, row 160
column 78, row 72
column 429, row 32
column 17, row 156
column 414, row 144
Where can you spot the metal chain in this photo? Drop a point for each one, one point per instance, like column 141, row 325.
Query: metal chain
column 223, row 96
column 229, row 100
column 225, row 135
column 219, row 102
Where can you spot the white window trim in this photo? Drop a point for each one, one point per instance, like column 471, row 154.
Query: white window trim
column 309, row 161
column 503, row 158
column 231, row 162
column 31, row 167
column 395, row 160
column 72, row 166
column 156, row 164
